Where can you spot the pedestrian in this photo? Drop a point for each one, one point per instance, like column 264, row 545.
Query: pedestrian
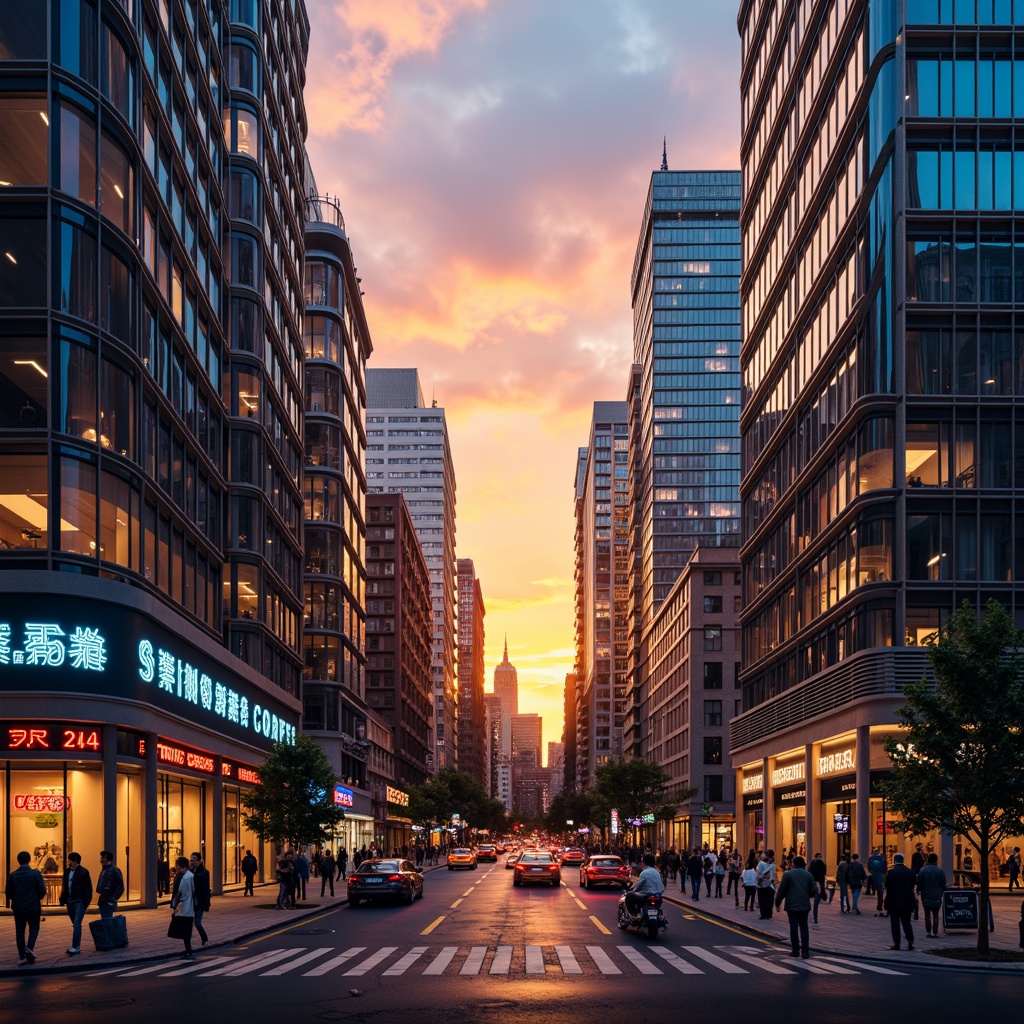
column 201, row 892
column 284, row 882
column 1013, row 867
column 917, row 859
column 766, row 884
column 249, row 868
column 818, row 871
column 182, row 907
column 673, row 863
column 109, row 886
column 931, row 883
column 301, row 865
column 694, row 872
column 842, row 880
column 735, row 872
column 75, row 897
column 899, row 900
column 749, row 888
column 26, row 890
column 327, row 866
column 876, row 868
column 856, row 876
column 709, row 869
column 799, row 889
column 719, row 877
column 343, row 863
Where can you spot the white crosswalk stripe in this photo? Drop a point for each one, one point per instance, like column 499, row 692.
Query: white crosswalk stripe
column 424, row 961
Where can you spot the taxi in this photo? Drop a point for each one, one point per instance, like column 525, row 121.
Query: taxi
column 461, row 857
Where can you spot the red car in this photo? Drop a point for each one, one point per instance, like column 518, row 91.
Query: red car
column 572, row 858
column 602, row 869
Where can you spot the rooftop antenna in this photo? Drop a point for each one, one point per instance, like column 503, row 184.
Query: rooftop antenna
column 664, row 153
column 433, row 394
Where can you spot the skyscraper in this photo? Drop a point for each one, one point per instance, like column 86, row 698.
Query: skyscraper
column 602, row 593
column 408, row 451
column 506, row 684
column 471, row 673
column 151, row 376
column 881, row 428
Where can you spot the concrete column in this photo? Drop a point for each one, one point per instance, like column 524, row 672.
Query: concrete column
column 110, row 792
column 865, row 835
column 150, row 813
column 214, row 852
column 766, row 796
column 810, row 810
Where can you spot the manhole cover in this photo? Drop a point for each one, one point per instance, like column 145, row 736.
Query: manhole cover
column 313, row 931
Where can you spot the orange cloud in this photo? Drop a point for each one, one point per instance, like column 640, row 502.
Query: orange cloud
column 361, row 46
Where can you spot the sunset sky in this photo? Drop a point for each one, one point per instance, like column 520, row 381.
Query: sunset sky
column 492, row 158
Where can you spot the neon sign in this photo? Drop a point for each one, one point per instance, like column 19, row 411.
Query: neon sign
column 344, row 797
column 397, row 797
column 47, row 802
column 46, row 644
column 17, row 736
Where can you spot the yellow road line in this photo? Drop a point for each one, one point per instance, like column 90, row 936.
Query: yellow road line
column 457, row 902
column 600, row 926
column 468, row 891
column 433, row 925
column 579, row 904
column 711, row 919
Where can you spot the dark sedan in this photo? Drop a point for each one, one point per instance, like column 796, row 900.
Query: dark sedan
column 385, row 880
column 537, row 866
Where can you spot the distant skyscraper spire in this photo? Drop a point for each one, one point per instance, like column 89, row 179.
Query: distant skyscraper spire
column 664, row 153
column 506, row 647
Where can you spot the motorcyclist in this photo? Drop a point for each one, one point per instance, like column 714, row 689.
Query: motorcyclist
column 648, row 884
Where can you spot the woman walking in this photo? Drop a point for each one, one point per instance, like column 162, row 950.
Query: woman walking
column 182, row 907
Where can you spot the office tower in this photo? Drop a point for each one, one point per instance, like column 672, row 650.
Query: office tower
column 556, row 765
column 151, row 381
column 471, row 673
column 408, row 451
column 569, row 778
column 399, row 684
column 526, row 739
column 499, row 762
column 337, row 345
column 881, row 430
column 531, row 784
column 602, row 592
column 686, row 338
column 506, row 684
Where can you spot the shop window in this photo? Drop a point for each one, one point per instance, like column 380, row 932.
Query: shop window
column 24, row 505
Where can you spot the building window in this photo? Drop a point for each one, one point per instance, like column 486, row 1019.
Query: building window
column 712, row 675
column 712, row 579
column 712, row 749
column 713, row 604
column 712, row 712
column 713, row 638
column 712, row 788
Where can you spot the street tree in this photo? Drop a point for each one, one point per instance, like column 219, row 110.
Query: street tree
column 636, row 788
column 958, row 768
column 293, row 803
column 577, row 808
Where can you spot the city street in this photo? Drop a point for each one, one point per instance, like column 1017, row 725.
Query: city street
column 476, row 948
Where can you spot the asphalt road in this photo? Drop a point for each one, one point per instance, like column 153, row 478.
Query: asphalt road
column 477, row 949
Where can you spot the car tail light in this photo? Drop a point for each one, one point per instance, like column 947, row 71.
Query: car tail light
column 553, row 867
column 396, row 878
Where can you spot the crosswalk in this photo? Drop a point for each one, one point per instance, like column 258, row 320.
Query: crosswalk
column 554, row 960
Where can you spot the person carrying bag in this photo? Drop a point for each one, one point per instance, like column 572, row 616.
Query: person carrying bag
column 182, row 907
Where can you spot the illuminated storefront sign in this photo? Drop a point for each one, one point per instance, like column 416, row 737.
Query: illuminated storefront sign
column 343, row 797
column 788, row 773
column 753, row 783
column 837, row 761
column 48, row 802
column 184, row 757
column 396, row 796
column 17, row 736
column 52, row 644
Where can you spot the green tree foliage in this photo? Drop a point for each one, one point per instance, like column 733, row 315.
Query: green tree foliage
column 959, row 767
column 293, row 803
column 635, row 788
column 575, row 807
column 452, row 792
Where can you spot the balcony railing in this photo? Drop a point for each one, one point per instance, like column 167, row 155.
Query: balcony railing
column 325, row 210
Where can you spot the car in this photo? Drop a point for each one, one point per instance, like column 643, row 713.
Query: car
column 510, row 861
column 377, row 880
column 485, row 851
column 602, row 869
column 537, row 866
column 572, row 858
column 461, row 857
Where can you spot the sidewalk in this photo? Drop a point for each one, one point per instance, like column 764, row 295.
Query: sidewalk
column 866, row 937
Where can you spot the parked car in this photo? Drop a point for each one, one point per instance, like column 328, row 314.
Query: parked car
column 486, row 851
column 602, row 869
column 375, row 880
column 537, row 866
column 461, row 857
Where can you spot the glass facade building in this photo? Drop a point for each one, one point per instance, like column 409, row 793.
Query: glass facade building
column 150, row 419
column 882, row 436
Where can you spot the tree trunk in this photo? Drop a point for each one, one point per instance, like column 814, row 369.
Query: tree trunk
column 983, row 891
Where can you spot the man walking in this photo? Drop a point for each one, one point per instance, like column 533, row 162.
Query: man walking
column 26, row 890
column 798, row 889
column 301, row 865
column 109, row 886
column 766, row 884
column 201, row 892
column 818, row 871
column 75, row 896
column 931, row 883
column 249, row 868
column 876, row 868
column 694, row 871
column 1013, row 866
column 899, row 900
column 856, row 876
column 327, row 866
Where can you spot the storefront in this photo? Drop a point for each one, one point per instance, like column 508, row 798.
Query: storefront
column 789, row 806
column 121, row 733
column 355, row 831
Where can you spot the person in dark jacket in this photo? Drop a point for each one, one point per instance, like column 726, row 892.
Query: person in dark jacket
column 327, row 866
column 343, row 863
column 75, row 896
column 931, row 883
column 109, row 885
column 799, row 890
column 856, row 876
column 201, row 892
column 249, row 868
column 899, row 900
column 26, row 890
column 819, row 872
column 694, row 872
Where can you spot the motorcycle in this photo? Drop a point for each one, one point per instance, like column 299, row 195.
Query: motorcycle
column 649, row 918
